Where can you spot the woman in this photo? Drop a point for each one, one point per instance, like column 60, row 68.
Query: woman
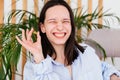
column 56, row 54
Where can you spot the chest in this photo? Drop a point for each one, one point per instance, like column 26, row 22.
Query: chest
column 80, row 70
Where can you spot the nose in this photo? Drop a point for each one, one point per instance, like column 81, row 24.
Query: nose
column 60, row 26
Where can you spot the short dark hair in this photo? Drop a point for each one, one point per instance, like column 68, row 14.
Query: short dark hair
column 71, row 52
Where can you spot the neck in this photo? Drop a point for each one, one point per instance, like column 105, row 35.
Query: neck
column 60, row 53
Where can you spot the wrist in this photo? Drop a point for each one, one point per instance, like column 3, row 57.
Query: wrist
column 38, row 58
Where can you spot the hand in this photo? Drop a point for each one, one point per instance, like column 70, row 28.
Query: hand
column 34, row 47
column 114, row 77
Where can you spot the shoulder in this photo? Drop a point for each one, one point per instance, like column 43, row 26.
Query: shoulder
column 89, row 60
column 88, row 49
column 89, row 54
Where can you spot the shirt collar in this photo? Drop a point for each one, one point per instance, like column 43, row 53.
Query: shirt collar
column 55, row 62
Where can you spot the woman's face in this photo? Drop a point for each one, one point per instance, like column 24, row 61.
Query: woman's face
column 57, row 25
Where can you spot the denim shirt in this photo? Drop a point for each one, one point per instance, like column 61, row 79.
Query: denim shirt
column 87, row 66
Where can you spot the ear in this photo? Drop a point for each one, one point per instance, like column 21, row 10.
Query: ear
column 42, row 27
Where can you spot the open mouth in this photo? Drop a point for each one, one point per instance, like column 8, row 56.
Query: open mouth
column 59, row 35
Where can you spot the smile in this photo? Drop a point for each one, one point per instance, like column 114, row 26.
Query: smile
column 59, row 35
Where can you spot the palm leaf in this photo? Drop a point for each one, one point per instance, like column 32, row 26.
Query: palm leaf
column 10, row 48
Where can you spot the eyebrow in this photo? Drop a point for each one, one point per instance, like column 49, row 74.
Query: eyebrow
column 51, row 19
column 66, row 19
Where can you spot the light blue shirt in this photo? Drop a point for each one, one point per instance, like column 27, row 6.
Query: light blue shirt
column 87, row 66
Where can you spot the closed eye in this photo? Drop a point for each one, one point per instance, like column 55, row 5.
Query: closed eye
column 66, row 21
column 52, row 21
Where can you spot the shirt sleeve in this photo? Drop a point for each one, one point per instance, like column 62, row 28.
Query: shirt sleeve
column 41, row 71
column 108, row 70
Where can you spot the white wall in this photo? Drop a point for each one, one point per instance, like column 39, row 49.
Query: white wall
column 114, row 6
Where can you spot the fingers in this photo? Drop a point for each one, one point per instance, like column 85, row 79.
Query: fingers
column 38, row 37
column 27, row 38
column 29, row 34
column 23, row 35
column 18, row 39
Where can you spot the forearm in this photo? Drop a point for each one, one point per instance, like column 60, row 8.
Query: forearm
column 109, row 72
column 40, row 71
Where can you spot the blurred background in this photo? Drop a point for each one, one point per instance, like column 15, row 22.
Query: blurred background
column 35, row 6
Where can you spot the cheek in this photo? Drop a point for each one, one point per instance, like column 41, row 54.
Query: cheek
column 48, row 30
column 69, row 29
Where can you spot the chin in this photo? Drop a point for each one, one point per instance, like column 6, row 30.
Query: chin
column 59, row 42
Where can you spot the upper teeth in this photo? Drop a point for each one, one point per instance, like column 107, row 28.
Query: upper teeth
column 59, row 34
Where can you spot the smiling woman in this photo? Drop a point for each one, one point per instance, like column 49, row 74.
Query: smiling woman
column 57, row 28
column 63, row 34
column 56, row 53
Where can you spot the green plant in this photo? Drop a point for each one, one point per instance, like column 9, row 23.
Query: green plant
column 10, row 49
column 83, row 19
column 87, row 20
